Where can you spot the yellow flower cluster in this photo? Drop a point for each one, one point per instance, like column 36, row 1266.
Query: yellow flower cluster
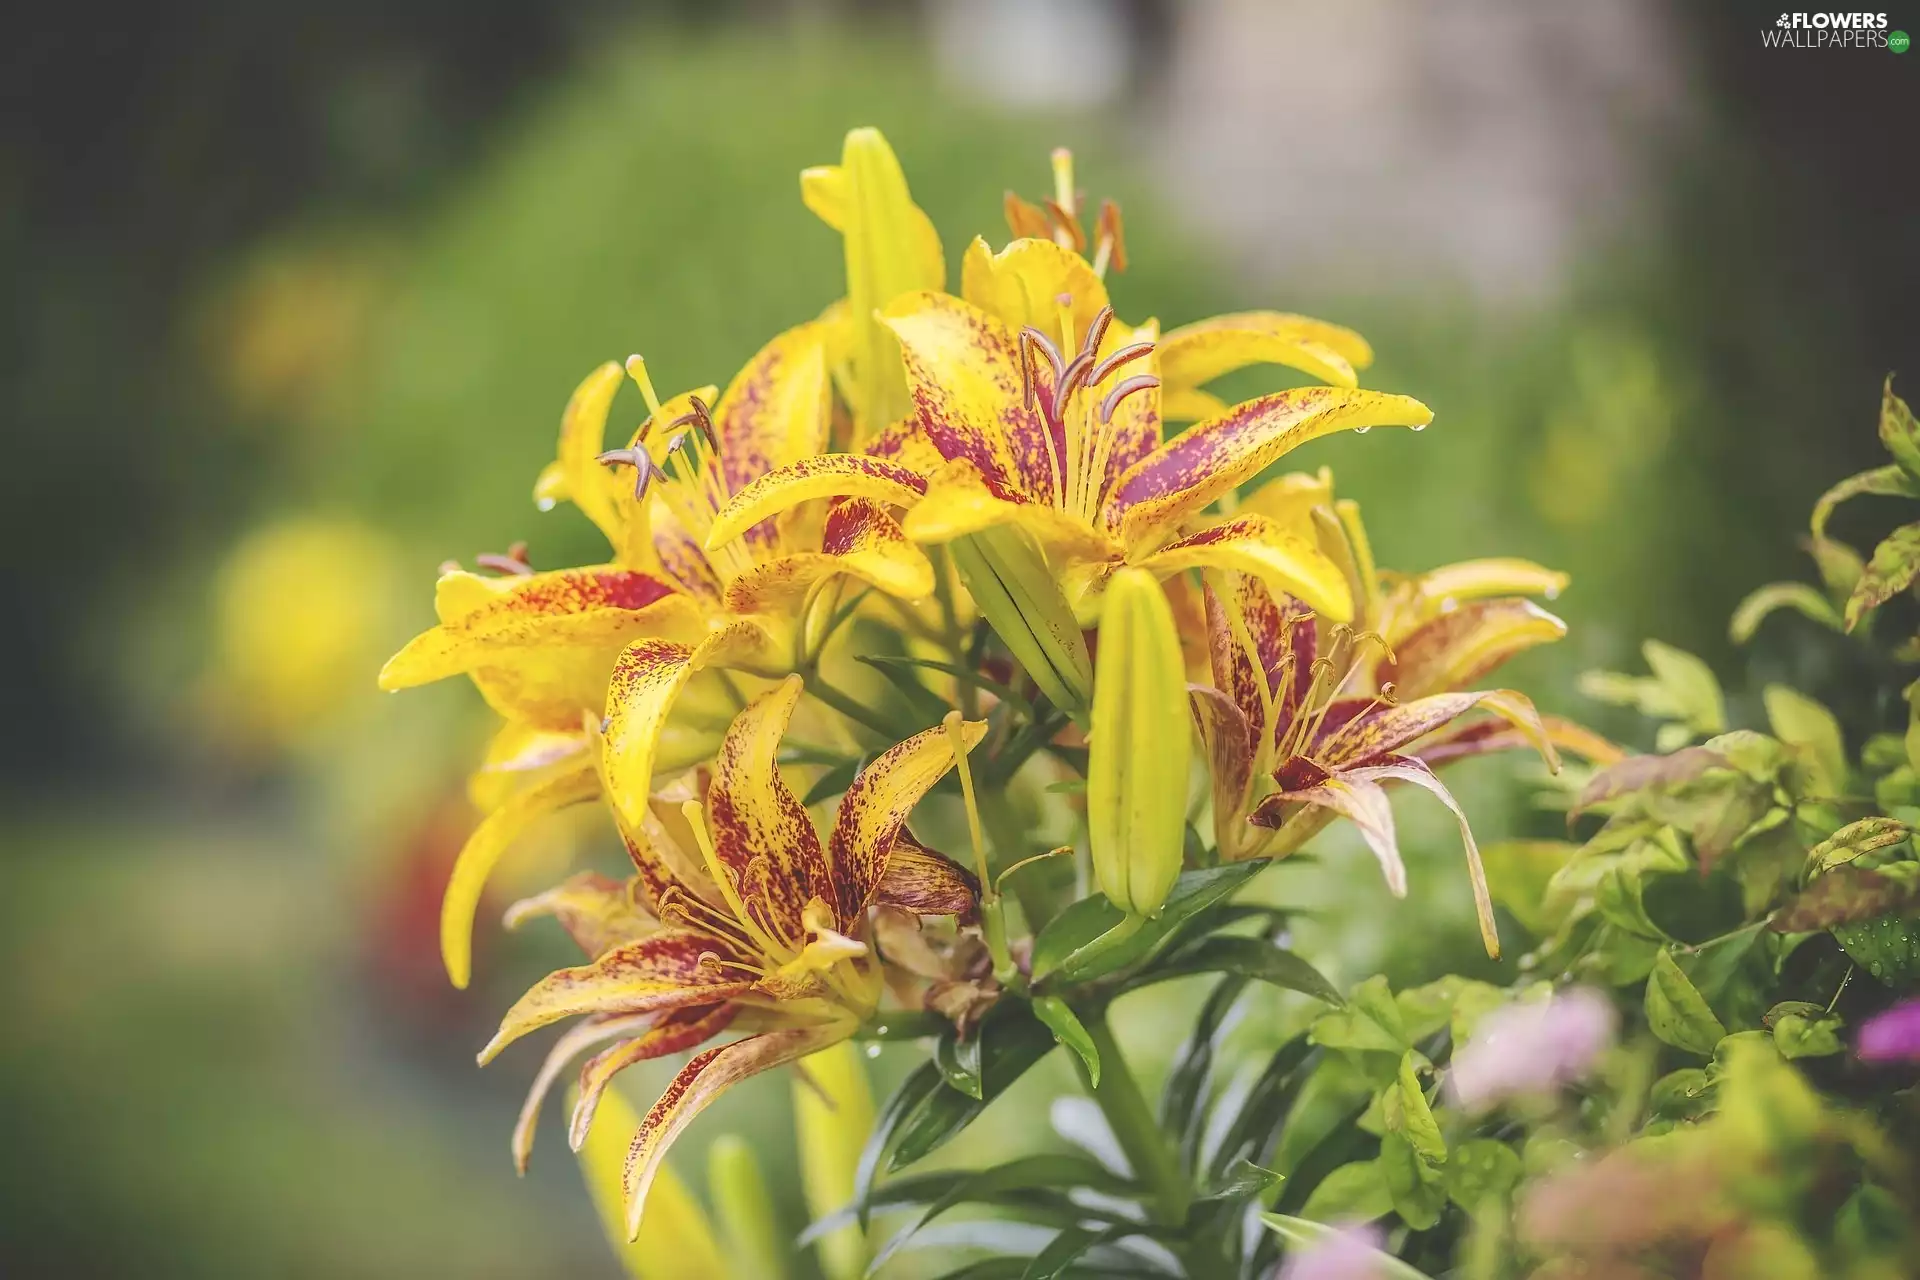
column 918, row 542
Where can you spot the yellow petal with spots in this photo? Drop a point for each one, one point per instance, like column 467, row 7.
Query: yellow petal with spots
column 1279, row 557
column 830, row 475
column 876, row 808
column 482, row 853
column 1182, row 476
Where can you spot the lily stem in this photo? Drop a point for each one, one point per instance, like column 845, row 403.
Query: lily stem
column 848, row 707
column 1134, row 1124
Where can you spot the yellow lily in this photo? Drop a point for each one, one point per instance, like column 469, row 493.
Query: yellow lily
column 740, row 916
column 1306, row 718
column 542, row 646
column 1034, row 406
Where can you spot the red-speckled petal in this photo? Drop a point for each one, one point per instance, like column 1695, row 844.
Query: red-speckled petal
column 774, row 413
column 702, row 1080
column 831, row 475
column 925, row 882
column 654, row 975
column 1369, row 736
column 1460, row 647
column 963, row 373
column 1288, row 563
column 1191, row 470
column 762, row 838
column 675, row 1033
column 875, row 808
column 598, row 912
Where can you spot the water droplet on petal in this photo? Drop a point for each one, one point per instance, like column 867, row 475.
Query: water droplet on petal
column 1360, row 431
column 1418, row 426
column 1449, row 604
column 873, row 1051
column 1552, row 592
column 544, row 504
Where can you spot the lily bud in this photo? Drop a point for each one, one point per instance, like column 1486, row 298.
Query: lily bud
column 676, row 1241
column 1139, row 751
column 755, row 1244
column 833, row 1113
column 1019, row 597
column 891, row 249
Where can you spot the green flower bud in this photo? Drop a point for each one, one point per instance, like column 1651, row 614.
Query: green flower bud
column 1020, row 598
column 833, row 1115
column 756, row 1246
column 1140, row 749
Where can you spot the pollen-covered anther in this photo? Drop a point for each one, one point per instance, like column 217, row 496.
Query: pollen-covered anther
column 513, row 563
column 1131, row 386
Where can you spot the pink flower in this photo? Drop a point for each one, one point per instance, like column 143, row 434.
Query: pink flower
column 1533, row 1047
column 1893, row 1036
column 1350, row 1252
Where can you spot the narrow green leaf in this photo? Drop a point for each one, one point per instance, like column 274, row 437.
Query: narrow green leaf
column 1011, row 1041
column 1180, row 1112
column 906, row 1101
column 1012, row 697
column 1254, row 958
column 1067, row 1030
column 1085, row 921
column 1026, row 1175
column 959, row 1061
column 1676, row 1011
column 1889, row 481
column 1776, row 596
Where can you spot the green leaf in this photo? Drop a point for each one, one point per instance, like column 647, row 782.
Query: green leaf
column 1412, row 1183
column 1840, row 565
column 1676, row 1011
column 1011, row 1041
column 1016, row 701
column 1641, row 773
column 1803, row 1030
column 1912, row 694
column 1887, row 948
column 1054, row 951
column 1890, row 482
column 1691, row 686
column 959, row 1061
column 1481, row 1169
column 1027, row 1174
column 1686, row 1094
column 1810, row 728
column 1254, row 958
column 1370, row 1022
column 1895, row 563
column 1846, row 895
column 1355, row 1192
column 1072, row 1244
column 1407, row 1113
column 1263, row 1107
column 1067, row 1030
column 1781, row 595
column 1856, row 840
column 1180, row 1112
column 1302, row 1234
column 906, row 1101
column 1898, row 430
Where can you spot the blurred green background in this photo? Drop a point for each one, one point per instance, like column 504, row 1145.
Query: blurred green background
column 295, row 294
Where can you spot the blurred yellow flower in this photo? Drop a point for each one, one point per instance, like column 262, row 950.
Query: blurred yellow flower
column 301, row 609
